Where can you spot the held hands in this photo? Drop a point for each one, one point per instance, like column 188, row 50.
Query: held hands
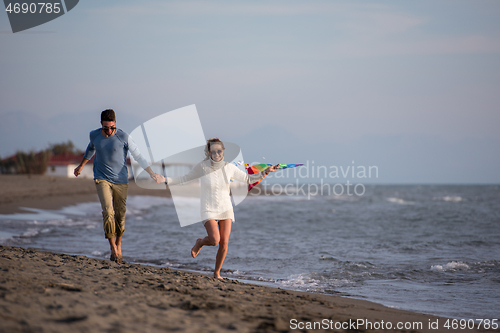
column 158, row 178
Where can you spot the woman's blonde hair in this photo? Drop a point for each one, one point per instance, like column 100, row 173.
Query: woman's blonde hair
column 210, row 142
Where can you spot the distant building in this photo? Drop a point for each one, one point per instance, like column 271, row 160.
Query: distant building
column 63, row 165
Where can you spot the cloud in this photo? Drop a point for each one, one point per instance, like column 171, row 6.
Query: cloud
column 470, row 44
column 330, row 29
column 223, row 8
column 383, row 22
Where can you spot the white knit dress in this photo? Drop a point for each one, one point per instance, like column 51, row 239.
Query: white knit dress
column 215, row 192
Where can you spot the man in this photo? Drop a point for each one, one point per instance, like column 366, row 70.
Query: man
column 110, row 146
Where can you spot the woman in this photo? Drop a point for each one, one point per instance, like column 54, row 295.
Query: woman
column 216, row 208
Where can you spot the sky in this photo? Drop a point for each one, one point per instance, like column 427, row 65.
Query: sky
column 411, row 87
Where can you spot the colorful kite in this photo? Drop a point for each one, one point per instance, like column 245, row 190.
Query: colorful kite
column 261, row 167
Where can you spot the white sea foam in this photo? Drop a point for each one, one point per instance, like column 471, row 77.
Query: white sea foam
column 326, row 257
column 170, row 264
column 451, row 266
column 400, row 201
column 452, row 199
column 30, row 233
column 36, row 215
column 67, row 223
column 449, row 198
column 306, row 281
column 343, row 197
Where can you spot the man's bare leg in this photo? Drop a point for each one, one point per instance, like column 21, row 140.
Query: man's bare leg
column 118, row 243
column 114, row 250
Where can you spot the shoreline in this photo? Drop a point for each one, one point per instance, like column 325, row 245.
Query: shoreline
column 60, row 270
column 45, row 291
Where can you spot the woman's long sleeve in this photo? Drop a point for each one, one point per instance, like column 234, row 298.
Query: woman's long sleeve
column 195, row 173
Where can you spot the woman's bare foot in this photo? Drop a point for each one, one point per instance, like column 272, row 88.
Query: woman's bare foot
column 196, row 248
column 217, row 276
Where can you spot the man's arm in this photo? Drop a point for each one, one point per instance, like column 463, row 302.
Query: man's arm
column 136, row 154
column 89, row 152
column 78, row 169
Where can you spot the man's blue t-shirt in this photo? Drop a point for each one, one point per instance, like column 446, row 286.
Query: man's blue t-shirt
column 110, row 161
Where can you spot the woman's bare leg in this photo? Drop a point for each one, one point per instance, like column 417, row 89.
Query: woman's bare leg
column 224, row 232
column 211, row 239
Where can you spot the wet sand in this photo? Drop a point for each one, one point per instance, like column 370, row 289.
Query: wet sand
column 50, row 292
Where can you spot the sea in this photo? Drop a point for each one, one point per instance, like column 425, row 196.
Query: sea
column 433, row 249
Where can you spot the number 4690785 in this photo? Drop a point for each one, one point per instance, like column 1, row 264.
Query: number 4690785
column 33, row 8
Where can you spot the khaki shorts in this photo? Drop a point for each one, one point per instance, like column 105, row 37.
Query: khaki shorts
column 113, row 199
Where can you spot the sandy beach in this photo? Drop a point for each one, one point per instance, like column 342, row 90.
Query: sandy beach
column 44, row 192
column 50, row 292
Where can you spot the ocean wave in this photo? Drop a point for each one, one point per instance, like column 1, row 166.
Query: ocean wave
column 67, row 223
column 343, row 197
column 451, row 267
column 476, row 267
column 450, row 198
column 171, row 264
column 31, row 232
column 492, row 266
column 324, row 257
column 313, row 282
column 35, row 215
column 400, row 201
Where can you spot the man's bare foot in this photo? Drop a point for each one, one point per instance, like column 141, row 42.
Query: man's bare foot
column 196, row 248
column 217, row 276
column 113, row 256
column 119, row 257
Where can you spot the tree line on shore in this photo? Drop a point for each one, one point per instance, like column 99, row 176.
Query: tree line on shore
column 36, row 162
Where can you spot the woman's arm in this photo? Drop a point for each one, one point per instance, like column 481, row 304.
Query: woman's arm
column 195, row 173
